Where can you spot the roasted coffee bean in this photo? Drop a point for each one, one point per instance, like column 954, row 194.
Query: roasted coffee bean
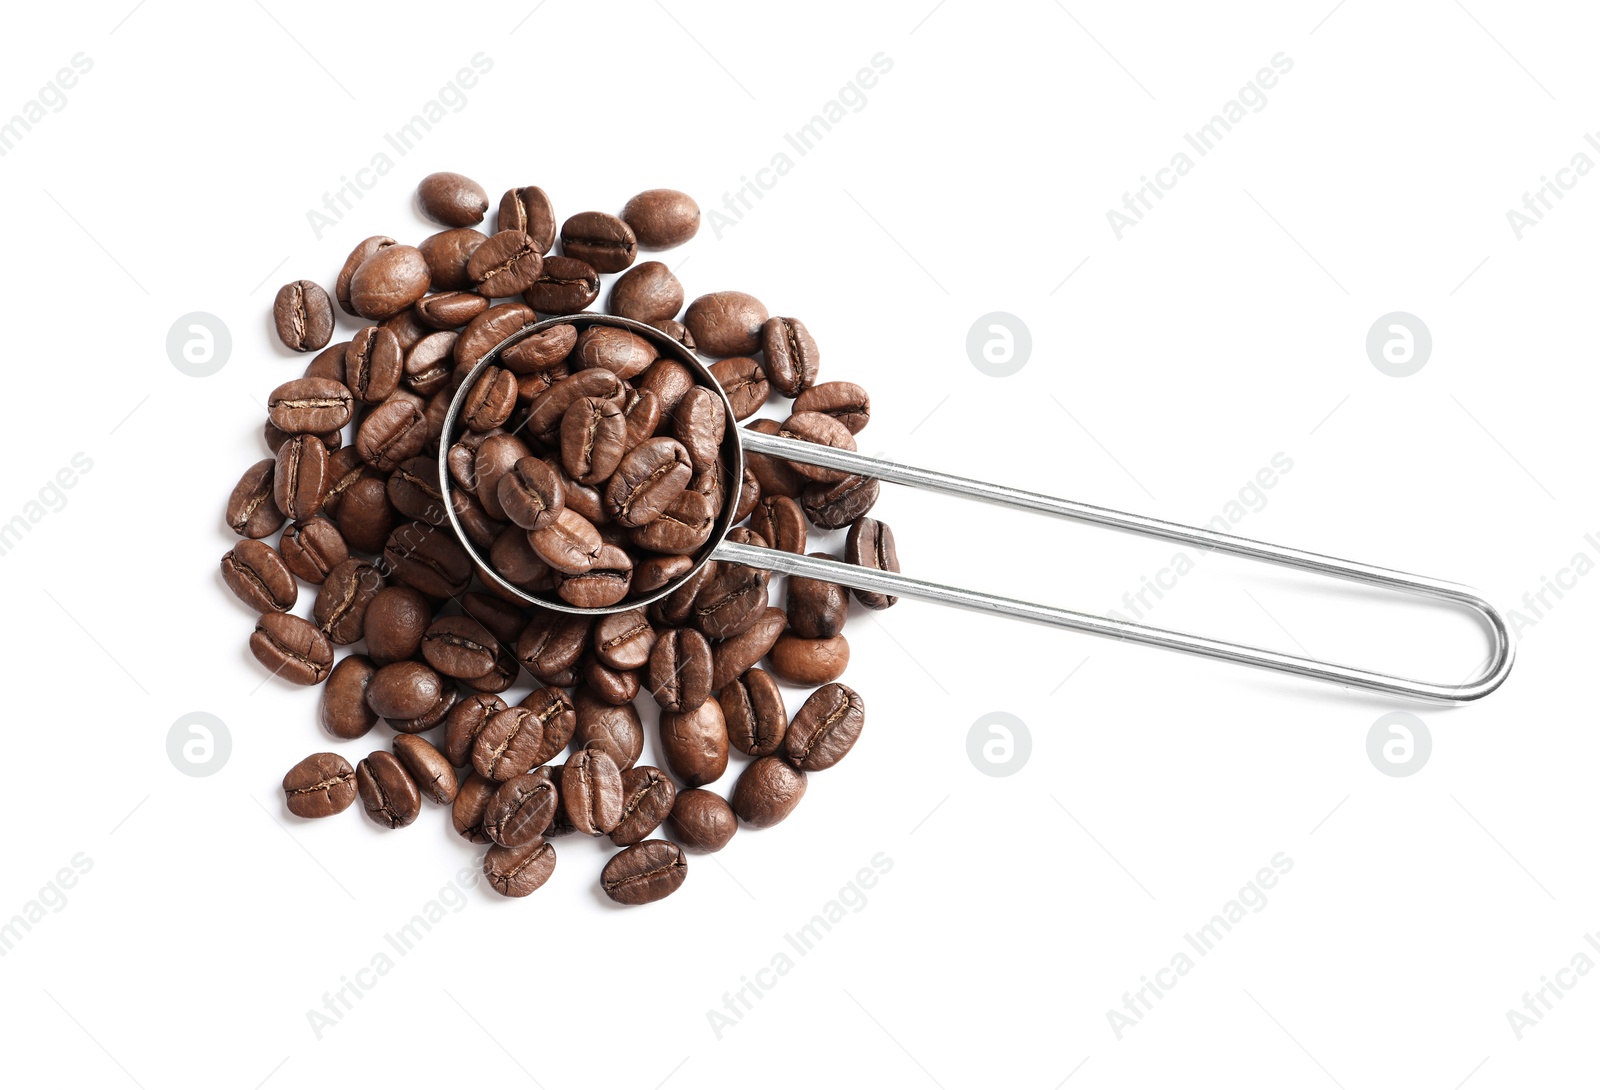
column 525, row 736
column 452, row 199
column 647, row 800
column 593, row 432
column 749, row 495
column 767, row 791
column 447, row 254
column 310, row 406
column 702, row 821
column 695, row 743
column 522, row 809
column 364, row 249
column 732, row 601
column 662, row 218
column 490, row 400
column 623, row 640
column 342, row 601
column 459, row 647
column 605, row 583
column 677, row 608
column 647, row 480
column 561, row 824
column 414, row 490
column 641, row 411
column 591, row 791
column 506, row 265
column 825, row 728
column 539, row 352
column 726, row 323
column 529, row 210
column 512, row 557
column 465, row 722
column 504, row 621
column 405, row 690
column 776, row 476
column 388, row 793
column 304, row 316
column 624, row 354
column 791, row 356
column 683, row 527
column 648, row 292
column 487, row 330
column 552, row 643
column 566, row 285
column 816, row 607
column 329, row 363
column 824, row 431
column 744, row 380
column 407, row 328
column 678, row 674
column 644, row 872
column 345, row 468
column 601, row 239
column 733, row 656
column 322, row 785
column 313, row 548
column 344, row 712
column 450, row 310
column 753, row 708
column 835, row 506
column 275, row 437
column 365, row 515
column 373, row 364
column 496, row 457
column 388, row 282
column 870, row 544
column 427, row 366
column 392, row 432
column 698, row 424
column 292, row 648
column 844, row 401
column 428, row 558
column 517, row 872
column 301, row 478
column 654, row 572
column 500, row 676
column 432, row 717
column 669, row 380
column 428, row 767
column 780, row 520
column 258, row 576
column 471, row 806
column 531, row 495
column 570, row 544
column 608, row 726
column 800, row 661
column 547, row 412
column 677, row 331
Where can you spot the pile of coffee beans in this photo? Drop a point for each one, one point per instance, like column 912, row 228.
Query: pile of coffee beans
column 590, row 469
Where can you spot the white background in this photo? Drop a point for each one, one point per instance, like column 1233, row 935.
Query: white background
column 1167, row 369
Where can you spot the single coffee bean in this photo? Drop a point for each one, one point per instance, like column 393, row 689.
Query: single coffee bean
column 870, row 544
column 303, row 315
column 566, row 285
column 342, row 601
column 570, row 544
column 677, row 609
column 744, row 380
column 749, row 495
column 648, row 292
column 702, row 821
column 549, row 409
column 647, row 800
column 561, row 824
column 529, row 210
column 679, row 671
column 447, row 254
column 487, row 330
column 450, row 310
column 388, row 793
column 654, row 572
column 731, row 657
column 593, row 431
column 259, row 578
column 612, row 728
column 506, row 265
column 329, row 363
column 844, row 401
column 525, row 736
column 646, row 872
column 552, row 643
column 601, row 239
column 817, row 608
column 800, row 661
column 471, row 806
column 825, row 728
column 521, row 809
column 322, row 785
column 669, row 380
column 459, row 647
column 392, row 432
column 619, row 351
column 428, row 558
column 364, row 249
column 465, row 722
column 605, row 583
column 366, row 516
column 345, row 468
column 683, row 527
column 677, row 331
column 835, row 506
column 732, row 601
column 426, row 369
column 428, row 767
column 292, row 648
column 531, row 494
column 776, row 476
column 591, row 791
column 452, row 199
column 496, row 458
column 313, row 548
column 389, row 281
column 695, row 743
column 753, row 707
column 499, row 677
column 512, row 557
column 623, row 641
column 726, row 323
column 641, row 411
column 612, row 686
column 824, row 431
column 301, row 478
column 310, row 406
column 373, row 364
column 698, row 424
column 517, row 872
column 539, row 352
column 344, row 711
column 414, row 490
column 490, row 400
column 404, row 690
column 767, row 791
column 432, row 717
column 791, row 356
column 648, row 479
column 407, row 328
column 662, row 218
column 780, row 520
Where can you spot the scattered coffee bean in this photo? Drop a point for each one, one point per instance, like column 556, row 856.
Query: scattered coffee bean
column 389, row 281
column 647, row 799
column 320, row 786
column 726, row 323
column 258, row 576
column 452, row 199
column 517, row 872
column 292, row 648
column 647, row 293
column 870, row 544
column 303, row 315
column 388, row 793
column 753, row 708
column 800, row 661
column 602, row 240
column 522, row 809
column 695, row 743
column 767, row 791
column 345, row 712
column 644, row 872
column 702, row 820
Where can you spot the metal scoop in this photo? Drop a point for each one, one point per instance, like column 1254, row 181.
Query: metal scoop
column 737, row 440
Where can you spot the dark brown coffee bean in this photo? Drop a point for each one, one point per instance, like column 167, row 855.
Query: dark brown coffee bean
column 679, row 671
column 428, row 767
column 619, row 351
column 495, row 459
column 452, row 199
column 648, row 292
column 428, row 558
column 500, row 676
column 593, row 431
column 529, row 210
column 549, row 409
column 648, row 479
column 303, row 315
column 373, row 364
column 844, row 401
column 623, row 641
column 404, row 690
column 365, row 515
column 683, row 527
column 388, row 793
column 775, row 475
column 780, row 520
column 432, row 717
column 343, row 598
column 825, row 728
column 414, row 490
column 310, row 406
column 698, row 424
column 647, row 799
column 753, row 708
column 301, row 478
column 669, row 380
column 427, row 367
column 566, row 285
column 513, row 559
column 526, row 735
column 449, row 310
column 517, row 872
column 605, row 725
column 817, row 608
column 312, row 548
column 591, row 791
column 677, row 609
column 392, row 432
column 641, row 412
column 388, row 282
column 835, row 506
column 447, row 254
column 490, row 400
column 570, row 544
column 322, row 785
column 407, row 328
column 364, row 249
column 600, row 239
column 744, row 380
column 465, row 722
column 617, row 687
column 662, row 218
column 732, row 601
column 329, row 363
column 824, row 431
column 541, row 351
column 726, row 323
column 459, row 647
column 730, row 658
column 504, row 621
column 695, row 743
column 605, row 584
column 292, row 648
column 654, row 572
column 791, row 356
column 532, row 494
column 506, row 265
column 644, row 872
column 522, row 809
column 552, row 643
column 677, row 331
column 471, row 806
column 749, row 495
column 345, row 468
column 767, row 791
column 702, row 821
column 870, row 544
column 344, row 712
column 800, row 661
column 258, row 576
column 487, row 330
